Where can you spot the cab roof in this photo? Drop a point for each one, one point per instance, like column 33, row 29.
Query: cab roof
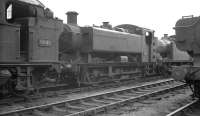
column 33, row 2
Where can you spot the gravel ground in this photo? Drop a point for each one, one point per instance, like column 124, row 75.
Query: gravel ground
column 56, row 97
column 156, row 106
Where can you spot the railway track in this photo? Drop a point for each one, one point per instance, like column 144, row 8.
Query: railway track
column 103, row 84
column 190, row 109
column 65, row 90
column 94, row 104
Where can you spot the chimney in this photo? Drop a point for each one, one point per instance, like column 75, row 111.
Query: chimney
column 166, row 35
column 106, row 25
column 72, row 17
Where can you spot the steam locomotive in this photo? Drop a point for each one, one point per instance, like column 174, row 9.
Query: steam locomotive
column 170, row 54
column 187, row 39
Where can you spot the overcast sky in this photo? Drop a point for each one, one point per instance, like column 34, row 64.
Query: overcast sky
column 160, row 15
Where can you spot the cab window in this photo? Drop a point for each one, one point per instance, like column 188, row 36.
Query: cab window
column 9, row 12
column 148, row 37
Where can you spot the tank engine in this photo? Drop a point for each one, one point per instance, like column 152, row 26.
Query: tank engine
column 102, row 53
column 170, row 56
column 187, row 39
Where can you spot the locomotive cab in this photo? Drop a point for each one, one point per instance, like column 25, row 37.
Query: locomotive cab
column 31, row 21
column 14, row 15
column 28, row 39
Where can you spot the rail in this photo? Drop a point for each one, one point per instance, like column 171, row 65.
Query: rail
column 99, row 102
column 181, row 111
